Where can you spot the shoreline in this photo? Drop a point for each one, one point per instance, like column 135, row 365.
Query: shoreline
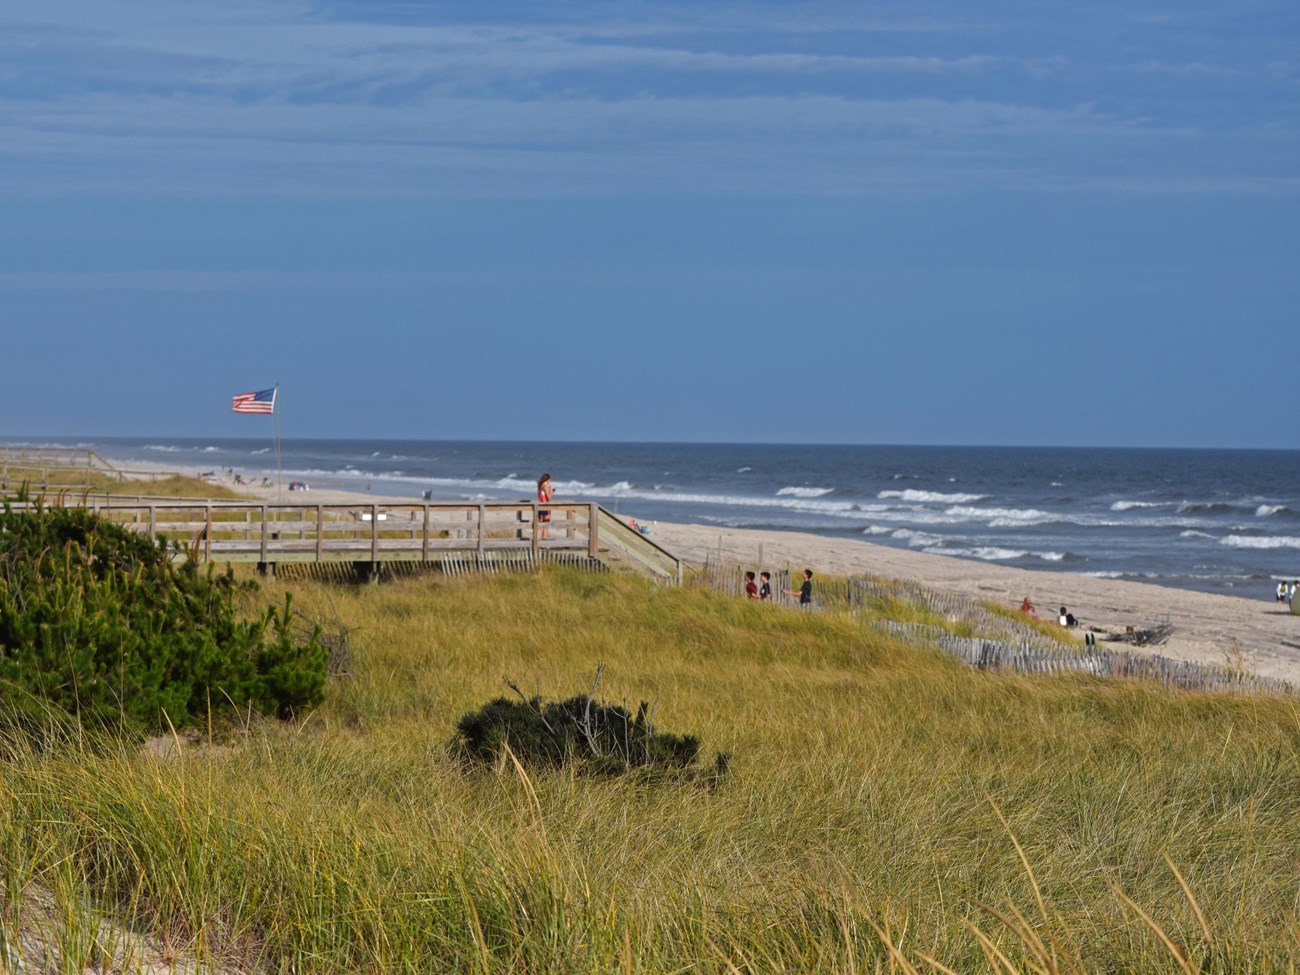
column 1208, row 627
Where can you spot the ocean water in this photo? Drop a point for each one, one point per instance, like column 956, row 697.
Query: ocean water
column 1210, row 520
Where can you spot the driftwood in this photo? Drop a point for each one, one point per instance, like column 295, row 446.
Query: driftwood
column 1150, row 637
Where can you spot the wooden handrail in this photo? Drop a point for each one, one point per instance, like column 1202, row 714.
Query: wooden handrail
column 269, row 532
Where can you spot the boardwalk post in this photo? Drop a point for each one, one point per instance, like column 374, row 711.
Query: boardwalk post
column 153, row 520
column 320, row 531
column 536, row 540
column 207, row 534
column 424, row 548
column 482, row 529
column 593, row 531
column 374, row 534
column 266, row 527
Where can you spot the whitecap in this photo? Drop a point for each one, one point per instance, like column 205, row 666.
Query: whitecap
column 917, row 539
column 1266, row 542
column 1004, row 517
column 803, row 492
column 1130, row 505
column 1192, row 533
column 743, row 470
column 985, row 553
column 923, row 497
column 1265, row 510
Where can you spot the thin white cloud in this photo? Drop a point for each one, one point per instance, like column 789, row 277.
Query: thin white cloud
column 266, row 98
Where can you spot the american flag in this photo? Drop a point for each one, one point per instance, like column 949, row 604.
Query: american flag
column 259, row 402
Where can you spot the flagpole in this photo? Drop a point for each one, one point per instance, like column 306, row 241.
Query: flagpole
column 279, row 468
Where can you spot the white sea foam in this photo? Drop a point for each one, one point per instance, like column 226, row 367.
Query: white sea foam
column 1192, row 533
column 1269, row 541
column 743, row 470
column 917, row 539
column 1130, row 505
column 1266, row 510
column 877, row 530
column 931, row 497
column 264, row 450
column 803, row 492
column 985, row 553
column 1004, row 517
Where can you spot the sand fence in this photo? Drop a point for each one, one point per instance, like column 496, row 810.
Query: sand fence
column 1005, row 642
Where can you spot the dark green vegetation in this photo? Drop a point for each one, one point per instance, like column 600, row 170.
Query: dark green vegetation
column 101, row 623
column 579, row 733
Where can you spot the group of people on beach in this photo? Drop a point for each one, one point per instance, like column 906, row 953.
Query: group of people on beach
column 1285, row 593
column 762, row 590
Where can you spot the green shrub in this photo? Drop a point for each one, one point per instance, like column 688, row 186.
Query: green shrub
column 101, row 622
column 580, row 733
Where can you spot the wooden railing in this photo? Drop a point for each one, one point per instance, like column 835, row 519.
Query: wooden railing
column 270, row 534
column 62, row 469
column 54, row 457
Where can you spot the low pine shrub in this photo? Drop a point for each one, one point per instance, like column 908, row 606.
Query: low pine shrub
column 579, row 733
column 100, row 622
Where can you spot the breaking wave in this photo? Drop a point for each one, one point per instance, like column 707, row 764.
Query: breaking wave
column 803, row 492
column 931, row 497
column 1267, row 541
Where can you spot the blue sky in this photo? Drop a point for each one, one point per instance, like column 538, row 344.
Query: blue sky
column 1067, row 224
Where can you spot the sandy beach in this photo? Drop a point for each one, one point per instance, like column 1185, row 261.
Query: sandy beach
column 1208, row 628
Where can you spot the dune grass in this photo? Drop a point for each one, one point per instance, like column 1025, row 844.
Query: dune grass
column 76, row 481
column 885, row 805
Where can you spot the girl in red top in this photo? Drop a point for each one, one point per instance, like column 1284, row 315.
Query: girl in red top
column 545, row 492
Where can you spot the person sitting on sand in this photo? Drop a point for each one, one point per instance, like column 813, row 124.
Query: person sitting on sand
column 805, row 591
column 1067, row 618
column 1027, row 607
column 751, row 587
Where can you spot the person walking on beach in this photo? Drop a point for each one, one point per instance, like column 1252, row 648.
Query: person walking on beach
column 805, row 591
column 545, row 492
column 765, row 586
column 1281, row 591
column 751, row 587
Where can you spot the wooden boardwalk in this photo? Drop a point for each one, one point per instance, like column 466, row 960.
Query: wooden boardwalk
column 449, row 533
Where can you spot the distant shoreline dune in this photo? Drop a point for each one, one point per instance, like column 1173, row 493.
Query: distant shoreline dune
column 1208, row 628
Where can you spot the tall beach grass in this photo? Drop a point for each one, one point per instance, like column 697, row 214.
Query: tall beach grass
column 887, row 809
